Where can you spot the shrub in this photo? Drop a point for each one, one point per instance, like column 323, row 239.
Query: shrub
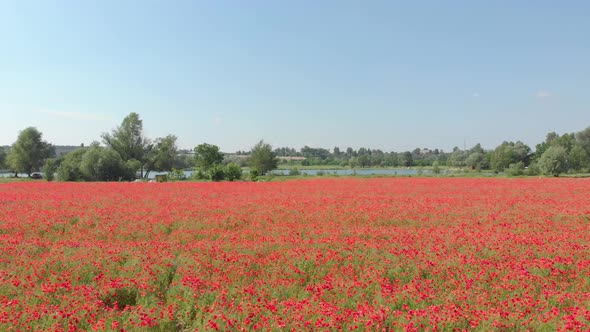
column 294, row 172
column 532, row 170
column 176, row 175
column 216, row 173
column 253, row 175
column 50, row 169
column 516, row 169
column 69, row 169
column 233, row 172
column 199, row 175
column 435, row 168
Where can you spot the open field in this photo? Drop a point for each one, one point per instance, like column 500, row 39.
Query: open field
column 329, row 254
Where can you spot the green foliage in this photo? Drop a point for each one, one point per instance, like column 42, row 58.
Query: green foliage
column 199, row 175
column 216, row 173
column 103, row 164
column 516, row 169
column 253, row 175
column 50, row 168
column 294, row 172
column 176, row 175
column 554, row 161
column 567, row 141
column 69, row 169
column 2, row 158
column 128, row 139
column 509, row 153
column 89, row 163
column 233, row 172
column 435, row 168
column 95, row 163
column 583, row 140
column 133, row 165
column 262, row 158
column 207, row 155
column 112, row 168
column 578, row 158
column 163, row 155
column 533, row 169
column 475, row 160
column 130, row 143
column 458, row 158
column 406, row 159
column 29, row 152
column 539, row 150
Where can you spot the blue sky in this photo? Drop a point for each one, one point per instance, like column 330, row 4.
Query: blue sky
column 383, row 74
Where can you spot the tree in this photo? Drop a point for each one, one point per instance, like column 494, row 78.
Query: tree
column 458, row 158
column 583, row 139
column 405, row 159
column 90, row 163
column 29, row 152
column 516, row 169
column 163, row 155
column 510, row 153
column 50, row 168
column 129, row 142
column 554, row 161
column 435, row 167
column 476, row 148
column 104, row 164
column 577, row 157
column 475, row 160
column 95, row 163
column 262, row 158
column 207, row 155
column 69, row 169
column 2, row 158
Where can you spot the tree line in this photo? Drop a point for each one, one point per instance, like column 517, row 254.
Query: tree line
column 557, row 154
column 127, row 154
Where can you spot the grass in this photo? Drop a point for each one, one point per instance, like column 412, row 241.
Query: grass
column 13, row 179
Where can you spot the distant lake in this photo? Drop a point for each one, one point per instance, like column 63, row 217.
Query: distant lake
column 312, row 172
column 360, row 171
column 9, row 174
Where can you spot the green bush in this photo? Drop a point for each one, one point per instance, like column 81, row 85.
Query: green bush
column 69, row 169
column 199, row 175
column 516, row 169
column 435, row 167
column 216, row 173
column 532, row 170
column 294, row 172
column 176, row 175
column 253, row 175
column 233, row 172
column 50, row 169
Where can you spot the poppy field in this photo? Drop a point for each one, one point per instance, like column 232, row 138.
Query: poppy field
column 321, row 254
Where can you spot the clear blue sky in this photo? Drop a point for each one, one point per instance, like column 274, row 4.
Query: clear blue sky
column 394, row 75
